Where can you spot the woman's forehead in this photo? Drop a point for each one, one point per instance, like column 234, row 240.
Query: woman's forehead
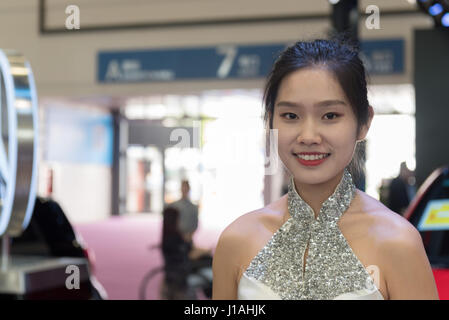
column 309, row 82
column 310, row 86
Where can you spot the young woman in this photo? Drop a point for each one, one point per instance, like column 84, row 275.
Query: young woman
column 324, row 239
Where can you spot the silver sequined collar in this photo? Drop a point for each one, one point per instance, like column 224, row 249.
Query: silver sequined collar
column 331, row 267
column 331, row 209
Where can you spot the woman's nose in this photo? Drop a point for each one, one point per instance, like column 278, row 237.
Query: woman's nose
column 309, row 133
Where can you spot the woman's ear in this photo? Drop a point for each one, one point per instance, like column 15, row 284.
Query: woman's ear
column 364, row 129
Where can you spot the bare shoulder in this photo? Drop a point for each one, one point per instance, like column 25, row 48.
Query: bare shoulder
column 237, row 232
column 235, row 244
column 406, row 269
column 239, row 229
column 255, row 221
column 251, row 229
column 390, row 227
column 247, row 226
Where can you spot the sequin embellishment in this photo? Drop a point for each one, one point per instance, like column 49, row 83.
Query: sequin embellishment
column 331, row 268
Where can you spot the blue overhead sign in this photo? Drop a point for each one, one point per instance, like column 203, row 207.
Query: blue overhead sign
column 224, row 62
column 383, row 57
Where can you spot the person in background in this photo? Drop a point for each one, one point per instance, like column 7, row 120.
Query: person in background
column 188, row 221
column 401, row 192
column 176, row 255
column 180, row 257
column 188, row 213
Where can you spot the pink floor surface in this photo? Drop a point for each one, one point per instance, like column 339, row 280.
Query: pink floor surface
column 122, row 254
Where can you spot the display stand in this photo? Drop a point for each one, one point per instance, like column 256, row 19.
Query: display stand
column 23, row 276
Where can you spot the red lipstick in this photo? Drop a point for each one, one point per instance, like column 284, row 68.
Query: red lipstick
column 315, row 162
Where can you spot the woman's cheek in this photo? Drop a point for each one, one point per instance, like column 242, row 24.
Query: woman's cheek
column 283, row 143
column 281, row 146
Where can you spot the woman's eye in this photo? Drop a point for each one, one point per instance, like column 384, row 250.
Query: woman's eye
column 288, row 113
column 333, row 115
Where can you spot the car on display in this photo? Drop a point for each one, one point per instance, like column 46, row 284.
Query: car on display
column 51, row 237
column 429, row 213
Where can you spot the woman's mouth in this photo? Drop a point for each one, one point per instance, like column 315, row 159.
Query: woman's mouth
column 311, row 159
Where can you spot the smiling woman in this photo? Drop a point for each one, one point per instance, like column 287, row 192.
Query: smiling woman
column 321, row 239
column 320, row 121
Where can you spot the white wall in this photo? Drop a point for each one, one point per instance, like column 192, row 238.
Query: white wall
column 82, row 191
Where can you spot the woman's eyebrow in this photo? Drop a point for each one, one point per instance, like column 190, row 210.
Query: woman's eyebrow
column 324, row 103
column 327, row 103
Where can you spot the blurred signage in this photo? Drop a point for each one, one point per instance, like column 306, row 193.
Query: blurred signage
column 383, row 57
column 76, row 136
column 435, row 216
column 224, row 62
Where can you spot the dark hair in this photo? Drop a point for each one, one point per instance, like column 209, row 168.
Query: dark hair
column 170, row 228
column 338, row 56
column 175, row 250
column 185, row 182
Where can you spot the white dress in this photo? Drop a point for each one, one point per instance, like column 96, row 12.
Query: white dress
column 332, row 270
column 252, row 289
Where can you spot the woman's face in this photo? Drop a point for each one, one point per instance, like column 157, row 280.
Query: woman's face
column 313, row 115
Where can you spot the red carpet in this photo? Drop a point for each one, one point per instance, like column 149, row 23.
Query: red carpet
column 122, row 253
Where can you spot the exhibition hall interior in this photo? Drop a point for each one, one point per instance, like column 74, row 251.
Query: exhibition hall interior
column 121, row 117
